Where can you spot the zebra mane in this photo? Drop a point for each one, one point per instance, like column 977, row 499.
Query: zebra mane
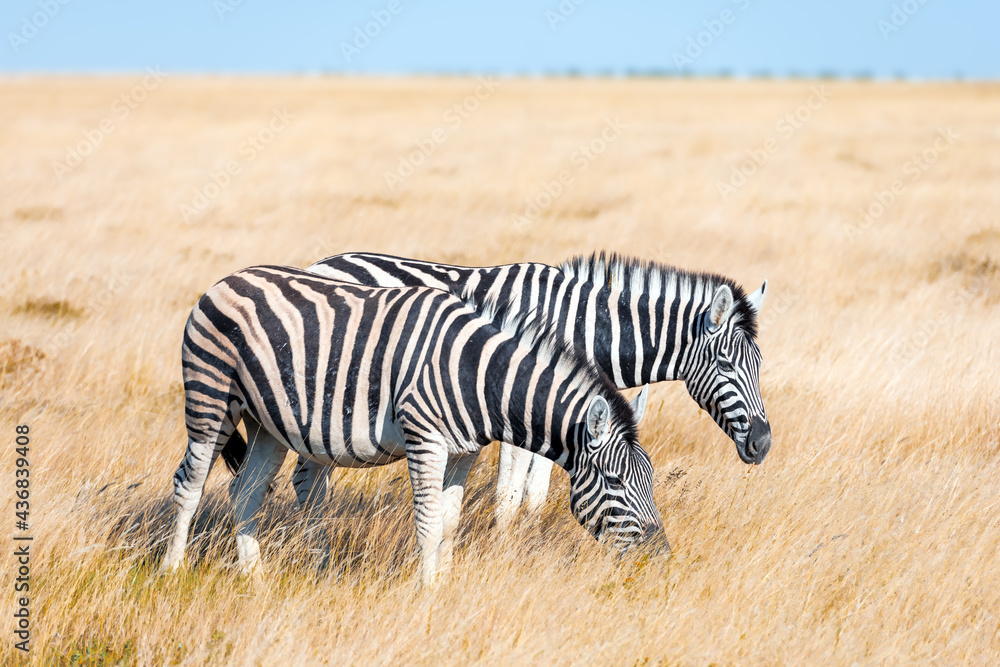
column 629, row 274
column 545, row 343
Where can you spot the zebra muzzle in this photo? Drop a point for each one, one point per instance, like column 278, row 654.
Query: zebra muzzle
column 758, row 440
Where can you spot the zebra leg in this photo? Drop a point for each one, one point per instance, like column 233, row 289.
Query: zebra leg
column 514, row 463
column 310, row 481
column 537, row 485
column 189, row 484
column 264, row 458
column 209, row 429
column 427, row 461
column 455, row 475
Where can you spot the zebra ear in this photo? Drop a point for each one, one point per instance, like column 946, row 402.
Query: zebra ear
column 598, row 414
column 756, row 300
column 639, row 403
column 722, row 306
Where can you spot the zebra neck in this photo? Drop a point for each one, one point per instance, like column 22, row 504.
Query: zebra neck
column 641, row 338
column 531, row 407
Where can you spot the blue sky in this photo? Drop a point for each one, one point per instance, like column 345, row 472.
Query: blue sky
column 918, row 39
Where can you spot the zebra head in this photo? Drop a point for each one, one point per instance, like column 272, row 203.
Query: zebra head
column 611, row 481
column 724, row 368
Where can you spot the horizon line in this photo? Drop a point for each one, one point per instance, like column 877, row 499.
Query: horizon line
column 569, row 73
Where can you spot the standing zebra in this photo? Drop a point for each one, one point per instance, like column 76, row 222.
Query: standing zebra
column 359, row 376
column 639, row 322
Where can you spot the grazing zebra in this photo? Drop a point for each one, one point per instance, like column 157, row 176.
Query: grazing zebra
column 359, row 376
column 640, row 322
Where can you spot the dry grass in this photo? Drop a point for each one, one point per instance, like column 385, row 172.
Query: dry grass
column 868, row 536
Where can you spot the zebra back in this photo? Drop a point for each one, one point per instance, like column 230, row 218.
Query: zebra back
column 359, row 376
column 639, row 322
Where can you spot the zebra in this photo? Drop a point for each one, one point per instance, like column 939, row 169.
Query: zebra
column 639, row 322
column 359, row 376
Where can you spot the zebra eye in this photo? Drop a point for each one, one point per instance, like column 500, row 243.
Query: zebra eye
column 725, row 366
column 614, row 481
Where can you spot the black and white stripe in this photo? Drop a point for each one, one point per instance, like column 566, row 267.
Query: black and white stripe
column 358, row 376
column 639, row 322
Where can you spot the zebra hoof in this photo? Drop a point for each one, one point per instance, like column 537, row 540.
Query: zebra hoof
column 169, row 566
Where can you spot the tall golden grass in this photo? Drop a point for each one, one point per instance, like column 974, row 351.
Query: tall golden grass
column 867, row 536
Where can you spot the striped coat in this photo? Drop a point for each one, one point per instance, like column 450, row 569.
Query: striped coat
column 639, row 322
column 357, row 376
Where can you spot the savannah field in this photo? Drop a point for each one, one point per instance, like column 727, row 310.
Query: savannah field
column 868, row 536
